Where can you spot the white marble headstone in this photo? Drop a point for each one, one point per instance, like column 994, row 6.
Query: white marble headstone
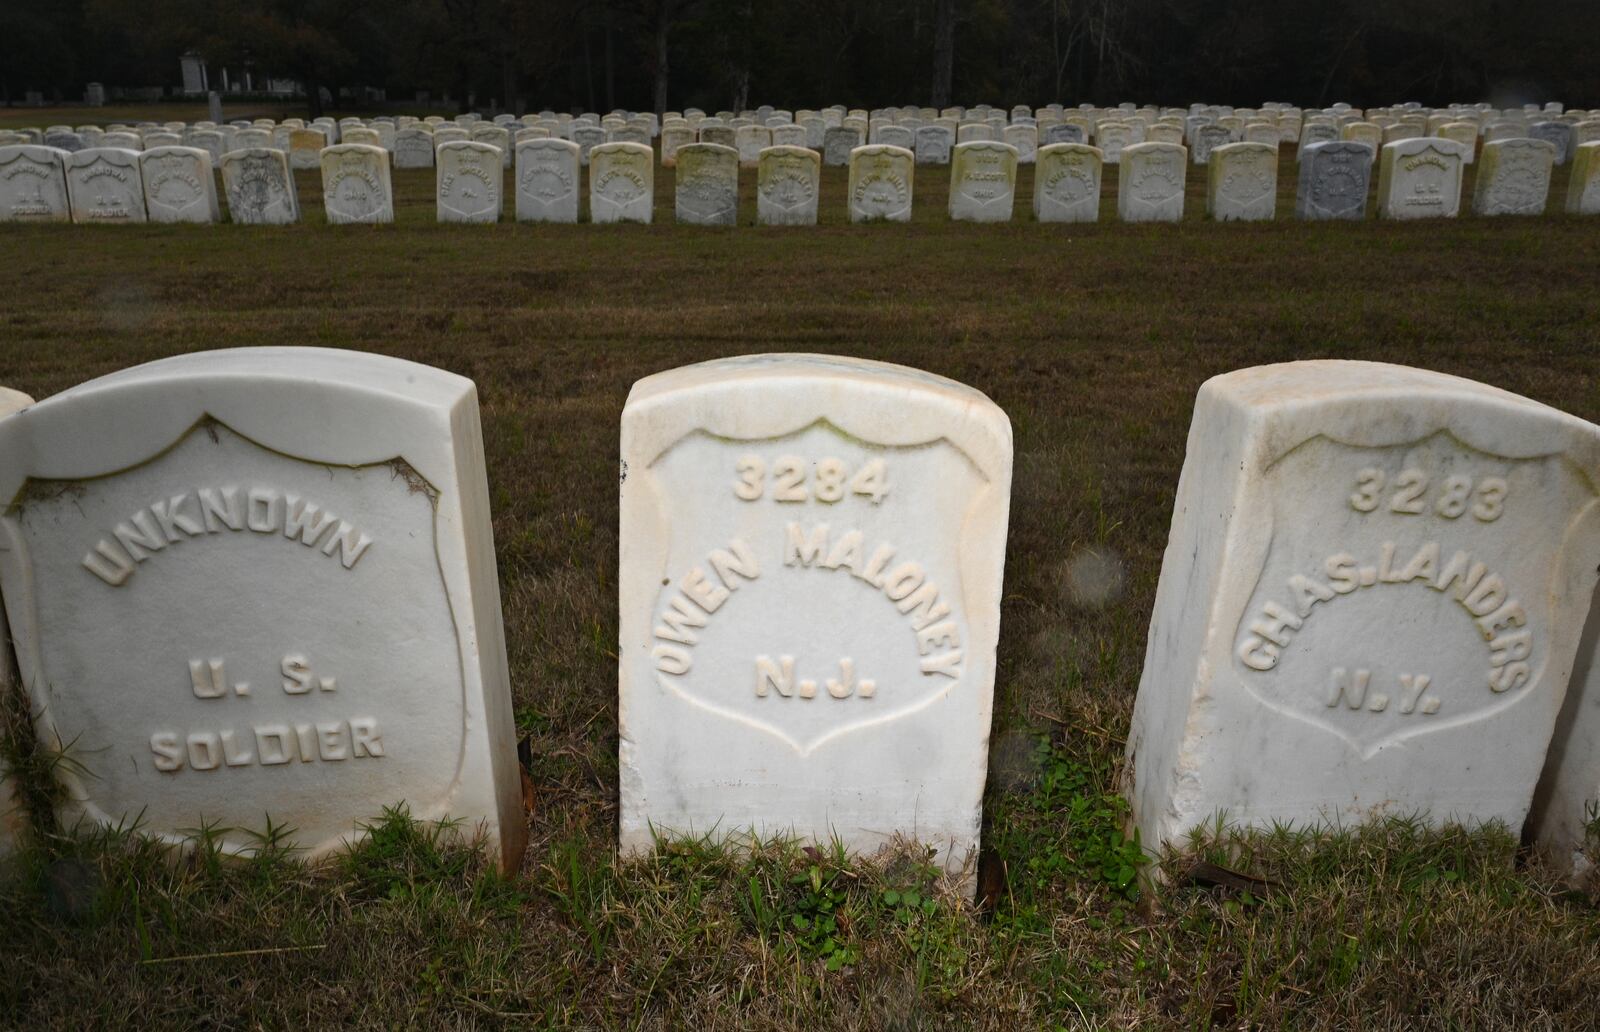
column 1066, row 183
column 621, row 183
column 1513, row 177
column 356, row 186
column 261, row 583
column 179, row 185
column 1242, row 182
column 788, row 180
column 548, row 173
column 33, row 184
column 983, row 181
column 1150, row 182
column 880, row 186
column 1419, row 178
column 1370, row 601
column 706, row 185
column 260, row 187
column 811, row 556
column 104, row 186
column 467, row 181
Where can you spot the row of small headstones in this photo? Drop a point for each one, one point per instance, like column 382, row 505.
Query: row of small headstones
column 1419, row 177
column 928, row 131
column 223, row 611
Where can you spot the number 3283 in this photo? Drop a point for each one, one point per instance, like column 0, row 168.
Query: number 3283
column 1453, row 497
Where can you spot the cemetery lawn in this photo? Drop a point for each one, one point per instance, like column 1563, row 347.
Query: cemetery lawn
column 1094, row 340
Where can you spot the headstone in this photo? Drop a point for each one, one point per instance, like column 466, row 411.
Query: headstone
column 179, row 185
column 548, row 177
column 1242, row 182
column 305, row 147
column 1334, row 181
column 1363, row 610
column 974, row 132
column 1066, row 183
column 1464, row 133
column 706, row 185
column 1419, row 178
column 750, row 141
column 1150, row 183
column 1065, row 132
column 1208, row 138
column 64, row 139
column 361, row 134
column 260, row 187
column 934, row 143
column 672, row 139
column 790, row 135
column 1315, row 132
column 837, row 145
column 1583, row 187
column 229, row 612
column 356, row 186
column 33, row 187
column 1260, row 132
column 811, row 568
column 1112, row 137
column 467, row 178
column 1557, row 134
column 450, row 134
column 815, row 126
column 621, row 183
column 1025, row 140
column 983, row 182
column 103, row 186
column 1513, row 178
column 413, row 148
column 898, row 136
column 587, row 138
column 788, row 180
column 881, row 183
column 1360, row 132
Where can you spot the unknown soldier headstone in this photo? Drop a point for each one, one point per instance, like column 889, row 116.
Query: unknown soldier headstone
column 811, row 555
column 881, row 183
column 1419, row 178
column 1363, row 610
column 260, row 187
column 706, row 185
column 621, row 183
column 1513, row 178
column 179, row 185
column 1150, row 183
column 1334, row 180
column 33, row 184
column 983, row 182
column 1242, row 182
column 547, row 181
column 1066, row 183
column 104, row 186
column 356, row 187
column 788, row 180
column 228, row 613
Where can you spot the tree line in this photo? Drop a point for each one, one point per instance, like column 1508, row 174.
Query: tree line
column 657, row 54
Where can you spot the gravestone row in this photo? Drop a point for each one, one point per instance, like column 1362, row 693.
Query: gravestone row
column 1418, row 177
column 229, row 614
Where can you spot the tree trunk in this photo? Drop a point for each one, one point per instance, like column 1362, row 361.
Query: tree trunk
column 588, row 70
column 611, row 70
column 944, row 51
column 663, row 24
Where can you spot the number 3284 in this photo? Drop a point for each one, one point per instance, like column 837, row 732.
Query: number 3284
column 793, row 479
column 1409, row 494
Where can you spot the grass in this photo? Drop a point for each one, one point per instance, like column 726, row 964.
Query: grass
column 1094, row 339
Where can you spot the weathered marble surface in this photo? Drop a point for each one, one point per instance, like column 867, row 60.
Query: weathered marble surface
column 811, row 552
column 1370, row 601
